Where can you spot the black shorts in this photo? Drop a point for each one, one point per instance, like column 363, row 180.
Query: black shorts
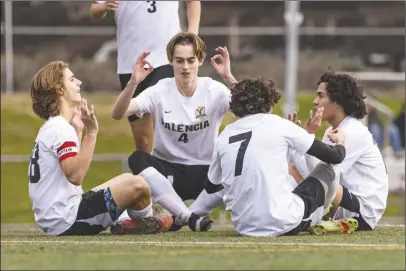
column 350, row 203
column 188, row 180
column 311, row 191
column 97, row 211
column 165, row 71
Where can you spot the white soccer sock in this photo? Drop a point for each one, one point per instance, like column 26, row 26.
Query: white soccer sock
column 164, row 194
column 329, row 176
column 123, row 216
column 146, row 212
column 206, row 202
column 332, row 187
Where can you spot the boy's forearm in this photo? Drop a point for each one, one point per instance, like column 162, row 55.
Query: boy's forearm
column 123, row 101
column 230, row 80
column 85, row 156
column 193, row 10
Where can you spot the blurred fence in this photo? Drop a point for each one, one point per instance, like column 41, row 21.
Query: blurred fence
column 395, row 166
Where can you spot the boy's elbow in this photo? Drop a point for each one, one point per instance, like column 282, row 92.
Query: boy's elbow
column 116, row 116
column 75, row 179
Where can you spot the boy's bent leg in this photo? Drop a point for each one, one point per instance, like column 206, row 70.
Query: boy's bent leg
column 132, row 193
column 205, row 203
column 152, row 170
column 312, row 193
column 93, row 216
column 349, row 207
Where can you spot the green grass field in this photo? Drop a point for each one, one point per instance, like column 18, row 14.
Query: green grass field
column 221, row 248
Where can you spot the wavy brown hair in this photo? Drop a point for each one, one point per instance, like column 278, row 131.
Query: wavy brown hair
column 187, row 38
column 345, row 91
column 253, row 96
column 46, row 88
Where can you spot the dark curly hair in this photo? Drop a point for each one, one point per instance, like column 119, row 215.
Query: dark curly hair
column 253, row 96
column 345, row 91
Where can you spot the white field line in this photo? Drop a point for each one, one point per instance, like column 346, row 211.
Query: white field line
column 378, row 226
column 165, row 243
column 391, row 226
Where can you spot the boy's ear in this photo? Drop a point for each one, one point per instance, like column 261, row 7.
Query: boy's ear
column 59, row 91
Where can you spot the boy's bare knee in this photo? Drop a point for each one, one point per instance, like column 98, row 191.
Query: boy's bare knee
column 141, row 192
column 127, row 177
column 142, row 187
column 136, row 186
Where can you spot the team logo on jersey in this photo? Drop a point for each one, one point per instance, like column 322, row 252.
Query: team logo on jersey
column 200, row 112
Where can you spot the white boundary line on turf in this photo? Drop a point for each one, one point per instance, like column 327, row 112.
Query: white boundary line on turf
column 390, row 225
column 196, row 243
column 378, row 226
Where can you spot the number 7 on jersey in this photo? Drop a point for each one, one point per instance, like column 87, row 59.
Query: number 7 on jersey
column 239, row 161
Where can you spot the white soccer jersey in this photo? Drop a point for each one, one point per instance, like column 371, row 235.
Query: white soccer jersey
column 185, row 128
column 363, row 171
column 250, row 161
column 144, row 26
column 55, row 200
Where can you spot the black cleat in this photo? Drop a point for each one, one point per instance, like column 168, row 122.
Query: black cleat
column 175, row 227
column 197, row 223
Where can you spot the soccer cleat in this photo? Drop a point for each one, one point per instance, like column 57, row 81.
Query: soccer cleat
column 326, row 213
column 342, row 226
column 145, row 225
column 175, row 226
column 167, row 222
column 197, row 223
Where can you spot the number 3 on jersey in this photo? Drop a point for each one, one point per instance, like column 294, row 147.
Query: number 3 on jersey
column 239, row 161
column 152, row 9
column 34, row 174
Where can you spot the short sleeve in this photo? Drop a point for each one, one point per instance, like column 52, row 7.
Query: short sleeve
column 147, row 100
column 66, row 143
column 296, row 137
column 215, row 174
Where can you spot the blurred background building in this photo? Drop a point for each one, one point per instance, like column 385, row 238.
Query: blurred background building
column 349, row 35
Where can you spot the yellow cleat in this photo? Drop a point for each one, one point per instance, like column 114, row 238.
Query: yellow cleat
column 342, row 226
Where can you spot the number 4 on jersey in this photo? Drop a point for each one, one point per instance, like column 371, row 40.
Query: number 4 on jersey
column 183, row 138
column 34, row 174
column 239, row 162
